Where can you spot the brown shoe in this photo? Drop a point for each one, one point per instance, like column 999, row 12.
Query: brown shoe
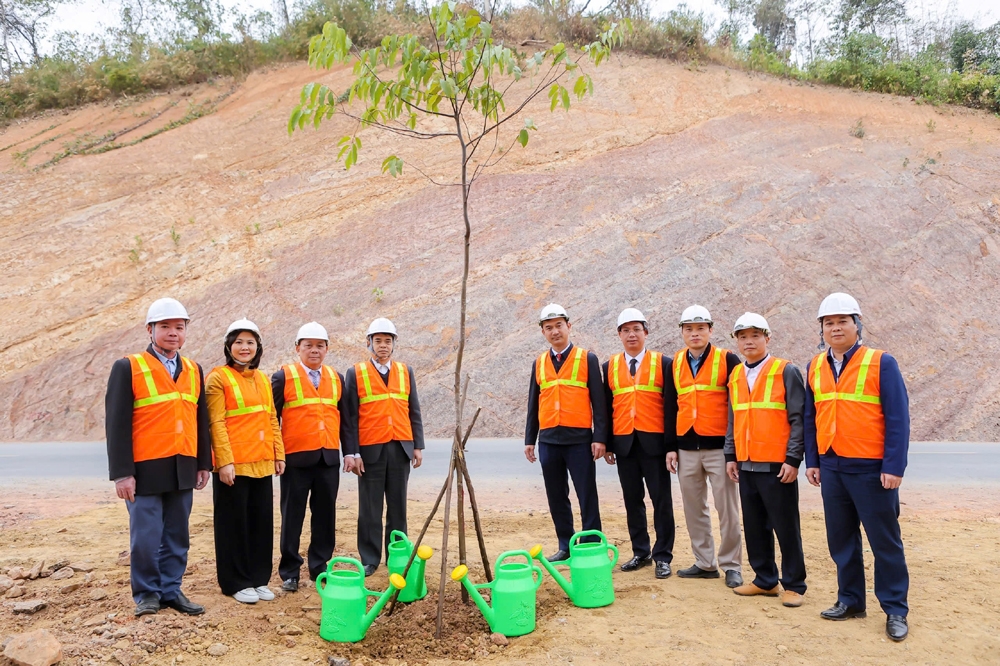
column 791, row 599
column 751, row 590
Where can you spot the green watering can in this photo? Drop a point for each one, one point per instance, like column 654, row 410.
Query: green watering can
column 400, row 549
column 590, row 570
column 344, row 598
column 512, row 592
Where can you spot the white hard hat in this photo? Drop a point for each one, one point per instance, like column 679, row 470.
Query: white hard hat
column 751, row 320
column 838, row 303
column 164, row 309
column 243, row 325
column 312, row 331
column 381, row 325
column 552, row 311
column 696, row 314
column 630, row 314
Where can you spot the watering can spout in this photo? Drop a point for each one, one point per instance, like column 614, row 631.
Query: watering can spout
column 461, row 574
column 567, row 586
column 395, row 582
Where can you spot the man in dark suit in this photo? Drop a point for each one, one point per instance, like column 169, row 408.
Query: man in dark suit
column 383, row 435
column 307, row 398
column 566, row 414
column 159, row 449
column 633, row 387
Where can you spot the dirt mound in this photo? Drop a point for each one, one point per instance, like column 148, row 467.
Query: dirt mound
column 671, row 185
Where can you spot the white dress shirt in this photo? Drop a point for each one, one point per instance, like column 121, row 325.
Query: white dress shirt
column 638, row 360
column 754, row 371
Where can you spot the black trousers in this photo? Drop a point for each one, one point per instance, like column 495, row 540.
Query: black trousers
column 771, row 508
column 635, row 467
column 318, row 485
column 382, row 485
column 577, row 461
column 244, row 532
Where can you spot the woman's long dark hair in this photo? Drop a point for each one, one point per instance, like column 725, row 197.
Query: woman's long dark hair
column 231, row 338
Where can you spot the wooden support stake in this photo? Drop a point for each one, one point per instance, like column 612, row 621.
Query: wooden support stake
column 478, row 523
column 460, row 465
column 444, row 550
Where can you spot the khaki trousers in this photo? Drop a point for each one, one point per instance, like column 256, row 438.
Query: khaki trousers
column 695, row 469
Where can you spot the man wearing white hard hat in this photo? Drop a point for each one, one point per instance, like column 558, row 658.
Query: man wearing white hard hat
column 697, row 402
column 764, row 449
column 383, row 435
column 857, row 435
column 633, row 388
column 568, row 420
column 159, row 449
column 307, row 400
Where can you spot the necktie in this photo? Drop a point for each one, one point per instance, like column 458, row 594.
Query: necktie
column 631, row 366
column 558, row 357
column 314, row 378
column 171, row 365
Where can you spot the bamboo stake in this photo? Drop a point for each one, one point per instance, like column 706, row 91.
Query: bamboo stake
column 444, row 551
column 461, row 518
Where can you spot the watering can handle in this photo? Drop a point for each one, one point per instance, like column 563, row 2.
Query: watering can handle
column 345, row 560
column 586, row 533
column 538, row 570
column 396, row 535
column 514, row 553
column 613, row 547
column 321, row 581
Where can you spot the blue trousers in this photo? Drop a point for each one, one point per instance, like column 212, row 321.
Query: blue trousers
column 578, row 462
column 158, row 537
column 853, row 500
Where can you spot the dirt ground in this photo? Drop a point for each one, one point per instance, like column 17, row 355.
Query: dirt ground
column 953, row 549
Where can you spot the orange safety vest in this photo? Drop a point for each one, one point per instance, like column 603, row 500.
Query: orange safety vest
column 310, row 419
column 383, row 411
column 637, row 401
column 849, row 421
column 164, row 412
column 760, row 421
column 563, row 398
column 702, row 401
column 249, row 406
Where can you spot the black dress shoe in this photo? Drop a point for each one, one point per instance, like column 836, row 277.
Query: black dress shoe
column 183, row 605
column 733, row 578
column 694, row 571
column 148, row 604
column 637, row 563
column 290, row 585
column 370, row 569
column 896, row 627
column 663, row 570
column 841, row 612
column 558, row 556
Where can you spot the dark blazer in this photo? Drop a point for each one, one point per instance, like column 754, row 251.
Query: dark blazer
column 563, row 435
column 690, row 441
column 349, row 442
column 330, row 457
column 151, row 476
column 653, row 443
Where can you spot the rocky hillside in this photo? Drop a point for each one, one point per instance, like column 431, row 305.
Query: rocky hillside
column 671, row 185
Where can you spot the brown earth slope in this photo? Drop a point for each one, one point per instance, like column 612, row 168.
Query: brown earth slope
column 669, row 186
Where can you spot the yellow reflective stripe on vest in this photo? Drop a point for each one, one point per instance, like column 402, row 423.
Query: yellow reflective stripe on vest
column 404, row 380
column 649, row 386
column 300, row 400
column 238, row 394
column 766, row 403
column 714, row 381
column 574, row 377
column 155, row 397
column 859, row 388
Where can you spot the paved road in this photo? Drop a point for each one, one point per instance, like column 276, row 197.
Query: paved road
column 498, row 461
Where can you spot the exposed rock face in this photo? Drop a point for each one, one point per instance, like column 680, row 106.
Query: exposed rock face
column 667, row 188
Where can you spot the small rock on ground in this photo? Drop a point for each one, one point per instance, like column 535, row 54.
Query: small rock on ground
column 37, row 648
column 217, row 649
column 30, row 607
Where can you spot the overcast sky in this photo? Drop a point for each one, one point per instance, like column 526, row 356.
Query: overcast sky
column 88, row 16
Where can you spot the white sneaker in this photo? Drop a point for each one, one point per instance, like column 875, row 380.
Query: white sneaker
column 263, row 593
column 248, row 596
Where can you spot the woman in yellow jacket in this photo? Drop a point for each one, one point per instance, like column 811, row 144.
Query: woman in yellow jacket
column 247, row 450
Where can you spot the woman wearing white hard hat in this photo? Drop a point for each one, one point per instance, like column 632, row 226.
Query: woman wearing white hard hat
column 248, row 450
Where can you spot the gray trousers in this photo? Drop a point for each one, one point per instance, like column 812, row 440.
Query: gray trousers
column 383, row 484
column 695, row 470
